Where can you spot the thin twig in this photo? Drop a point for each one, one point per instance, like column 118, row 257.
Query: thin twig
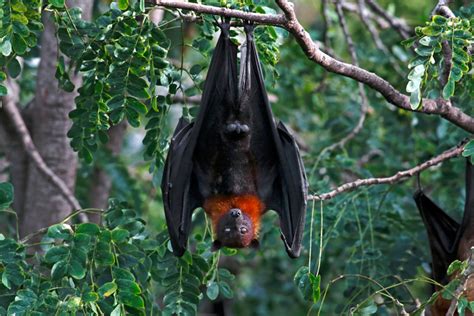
column 353, row 8
column 67, row 218
column 396, row 24
column 399, row 176
column 19, row 125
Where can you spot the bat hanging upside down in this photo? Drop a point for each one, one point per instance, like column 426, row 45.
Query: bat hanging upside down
column 234, row 161
column 448, row 241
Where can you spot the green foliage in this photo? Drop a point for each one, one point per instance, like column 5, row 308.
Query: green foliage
column 469, row 150
column 457, row 34
column 122, row 59
column 308, row 284
column 111, row 269
column 20, row 23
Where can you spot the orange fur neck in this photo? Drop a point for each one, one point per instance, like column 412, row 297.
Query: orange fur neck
column 218, row 205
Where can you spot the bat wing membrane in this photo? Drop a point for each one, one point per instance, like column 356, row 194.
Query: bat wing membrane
column 441, row 230
column 281, row 179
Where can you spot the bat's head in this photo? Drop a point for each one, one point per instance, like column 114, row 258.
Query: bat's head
column 235, row 229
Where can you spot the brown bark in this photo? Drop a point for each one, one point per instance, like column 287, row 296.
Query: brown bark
column 44, row 204
column 12, row 147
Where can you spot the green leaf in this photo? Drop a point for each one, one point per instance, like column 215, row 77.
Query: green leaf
column 82, row 241
column 138, row 92
column 122, row 4
column 120, row 235
column 448, row 90
column 13, row 274
column 88, row 228
column 90, row 297
column 59, row 270
column 132, row 300
column 57, row 3
column 56, row 254
column 212, row 291
column 468, row 150
column 439, row 20
column 415, row 99
column 456, row 265
column 462, row 305
column 76, row 269
column 308, row 284
column 6, row 47
column 450, row 289
column 3, row 90
column 225, row 289
column 19, row 44
column 120, row 273
column 6, row 193
column 316, row 286
column 409, row 42
column 432, row 30
column 137, row 105
column 117, row 311
column 128, row 286
column 60, row 231
column 14, row 68
column 424, row 50
column 107, row 289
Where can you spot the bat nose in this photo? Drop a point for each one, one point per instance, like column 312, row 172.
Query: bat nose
column 235, row 212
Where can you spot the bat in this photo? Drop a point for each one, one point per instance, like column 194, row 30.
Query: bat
column 448, row 239
column 234, row 161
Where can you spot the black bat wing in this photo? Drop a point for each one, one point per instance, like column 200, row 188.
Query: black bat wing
column 281, row 180
column 182, row 185
column 442, row 231
column 467, row 224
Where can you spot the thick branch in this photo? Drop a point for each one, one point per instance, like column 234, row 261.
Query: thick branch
column 399, row 176
column 267, row 19
column 17, row 121
column 289, row 21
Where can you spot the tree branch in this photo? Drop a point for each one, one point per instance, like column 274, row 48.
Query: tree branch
column 19, row 125
column 290, row 22
column 399, row 176
column 395, row 23
column 267, row 19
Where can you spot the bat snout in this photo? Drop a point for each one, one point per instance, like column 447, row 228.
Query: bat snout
column 235, row 212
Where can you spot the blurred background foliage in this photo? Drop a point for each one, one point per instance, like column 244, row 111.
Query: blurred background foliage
column 371, row 237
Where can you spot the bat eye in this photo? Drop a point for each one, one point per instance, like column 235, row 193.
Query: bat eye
column 243, row 230
column 227, row 230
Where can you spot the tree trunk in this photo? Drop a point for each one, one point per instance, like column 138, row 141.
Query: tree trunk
column 43, row 204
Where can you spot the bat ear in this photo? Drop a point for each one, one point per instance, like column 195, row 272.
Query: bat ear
column 216, row 245
column 255, row 244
